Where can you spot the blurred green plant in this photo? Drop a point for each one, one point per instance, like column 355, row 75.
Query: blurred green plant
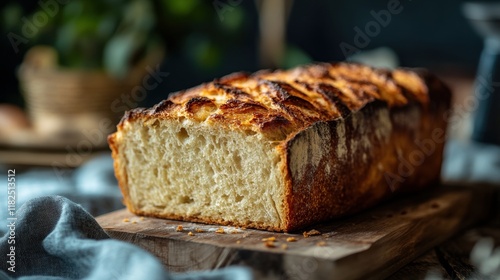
column 194, row 31
column 111, row 35
column 294, row 56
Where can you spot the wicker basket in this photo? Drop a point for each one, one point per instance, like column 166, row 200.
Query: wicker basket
column 71, row 103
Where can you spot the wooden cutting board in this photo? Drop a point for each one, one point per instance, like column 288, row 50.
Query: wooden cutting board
column 370, row 245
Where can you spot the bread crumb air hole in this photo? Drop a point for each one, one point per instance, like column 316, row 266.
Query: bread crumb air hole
column 237, row 161
column 186, row 200
column 182, row 134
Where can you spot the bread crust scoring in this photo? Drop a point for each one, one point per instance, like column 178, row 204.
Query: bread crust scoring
column 281, row 103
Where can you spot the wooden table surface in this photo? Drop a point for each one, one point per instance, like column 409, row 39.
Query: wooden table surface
column 451, row 260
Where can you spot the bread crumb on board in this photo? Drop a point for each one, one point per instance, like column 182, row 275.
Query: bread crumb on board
column 238, row 241
column 179, row 228
column 270, row 244
column 199, row 230
column 269, row 239
column 284, row 246
column 291, row 239
column 190, row 233
column 142, row 218
column 321, row 243
column 312, row 232
column 220, row 230
column 126, row 220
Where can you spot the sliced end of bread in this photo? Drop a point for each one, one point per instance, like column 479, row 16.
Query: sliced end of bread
column 180, row 169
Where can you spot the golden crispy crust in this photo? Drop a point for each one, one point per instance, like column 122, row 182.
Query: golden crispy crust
column 281, row 103
column 381, row 114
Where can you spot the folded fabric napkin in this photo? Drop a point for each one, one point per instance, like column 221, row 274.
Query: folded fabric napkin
column 92, row 185
column 57, row 239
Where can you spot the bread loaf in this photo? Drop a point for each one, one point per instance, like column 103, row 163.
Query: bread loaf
column 281, row 150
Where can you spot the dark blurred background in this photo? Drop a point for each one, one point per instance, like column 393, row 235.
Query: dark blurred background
column 207, row 39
